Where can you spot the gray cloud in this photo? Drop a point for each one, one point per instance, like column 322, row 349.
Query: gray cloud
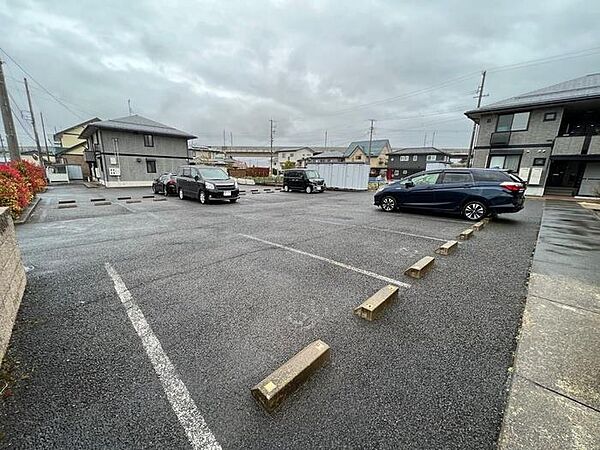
column 208, row 66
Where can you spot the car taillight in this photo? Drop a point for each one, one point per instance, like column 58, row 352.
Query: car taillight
column 512, row 187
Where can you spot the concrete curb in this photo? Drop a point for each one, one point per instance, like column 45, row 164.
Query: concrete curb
column 276, row 387
column 24, row 217
column 421, row 267
column 373, row 307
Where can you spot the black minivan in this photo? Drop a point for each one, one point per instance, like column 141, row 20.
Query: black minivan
column 473, row 193
column 307, row 180
column 206, row 183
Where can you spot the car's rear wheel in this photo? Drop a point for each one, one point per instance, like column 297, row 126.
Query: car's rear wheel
column 181, row 196
column 388, row 204
column 286, row 188
column 474, row 210
column 308, row 189
column 203, row 197
column 154, row 190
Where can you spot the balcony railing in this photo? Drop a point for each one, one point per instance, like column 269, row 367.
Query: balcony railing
column 500, row 139
column 568, row 145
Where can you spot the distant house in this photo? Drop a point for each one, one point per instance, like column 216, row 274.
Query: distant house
column 133, row 150
column 73, row 147
column 328, row 157
column 297, row 155
column 378, row 150
column 30, row 154
column 406, row 161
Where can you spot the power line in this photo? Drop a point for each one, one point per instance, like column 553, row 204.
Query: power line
column 41, row 86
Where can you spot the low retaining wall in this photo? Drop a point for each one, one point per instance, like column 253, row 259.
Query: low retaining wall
column 12, row 278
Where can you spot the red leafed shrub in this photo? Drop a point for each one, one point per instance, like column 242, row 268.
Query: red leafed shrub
column 32, row 174
column 15, row 192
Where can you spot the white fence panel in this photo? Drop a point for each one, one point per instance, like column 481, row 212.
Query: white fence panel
column 343, row 175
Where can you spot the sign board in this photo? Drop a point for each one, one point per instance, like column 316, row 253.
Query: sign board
column 536, row 176
column 524, row 173
column 113, row 160
column 114, row 171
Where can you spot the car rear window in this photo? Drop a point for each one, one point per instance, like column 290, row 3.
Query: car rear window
column 491, row 175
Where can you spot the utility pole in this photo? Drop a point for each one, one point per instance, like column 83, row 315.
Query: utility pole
column 224, row 144
column 325, row 140
column 35, row 133
column 272, row 132
column 231, row 138
column 433, row 138
column 479, row 96
column 129, row 107
column 4, row 157
column 45, row 137
column 7, row 119
column 370, row 143
column 425, row 140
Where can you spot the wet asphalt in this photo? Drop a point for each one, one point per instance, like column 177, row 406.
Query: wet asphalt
column 431, row 373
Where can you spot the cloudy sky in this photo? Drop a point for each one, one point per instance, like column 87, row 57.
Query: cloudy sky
column 209, row 66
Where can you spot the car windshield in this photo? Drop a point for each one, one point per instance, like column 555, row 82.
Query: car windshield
column 312, row 174
column 213, row 173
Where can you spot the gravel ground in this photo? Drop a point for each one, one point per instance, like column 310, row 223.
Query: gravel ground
column 227, row 309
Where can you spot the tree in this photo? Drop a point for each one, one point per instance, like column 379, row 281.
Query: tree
column 286, row 165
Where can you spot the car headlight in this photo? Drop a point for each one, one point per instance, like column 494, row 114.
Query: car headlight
column 235, row 184
column 381, row 189
column 209, row 185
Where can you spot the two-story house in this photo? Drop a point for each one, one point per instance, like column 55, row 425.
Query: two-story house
column 73, row 146
column 376, row 153
column 297, row 155
column 133, row 150
column 550, row 136
column 406, row 161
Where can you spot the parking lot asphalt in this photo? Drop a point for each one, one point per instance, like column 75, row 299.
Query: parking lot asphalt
column 231, row 291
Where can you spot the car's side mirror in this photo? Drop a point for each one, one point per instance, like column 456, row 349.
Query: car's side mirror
column 409, row 184
column 196, row 177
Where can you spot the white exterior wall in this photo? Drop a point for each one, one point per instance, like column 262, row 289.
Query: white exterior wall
column 343, row 176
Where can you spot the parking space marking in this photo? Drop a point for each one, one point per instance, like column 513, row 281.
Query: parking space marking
column 330, row 261
column 387, row 230
column 183, row 405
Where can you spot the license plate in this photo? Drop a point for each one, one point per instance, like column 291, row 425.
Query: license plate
column 227, row 194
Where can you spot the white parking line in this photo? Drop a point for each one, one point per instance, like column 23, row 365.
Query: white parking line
column 386, row 230
column 183, row 405
column 331, row 261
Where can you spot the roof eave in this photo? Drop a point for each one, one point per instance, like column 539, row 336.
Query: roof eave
column 486, row 110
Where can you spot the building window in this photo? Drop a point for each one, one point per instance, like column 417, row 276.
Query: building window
column 508, row 162
column 148, row 140
column 415, row 158
column 513, row 122
column 150, row 166
column 404, row 158
column 431, row 157
column 358, row 157
column 549, row 116
column 539, row 161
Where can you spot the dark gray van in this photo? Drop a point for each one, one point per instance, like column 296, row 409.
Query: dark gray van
column 306, row 180
column 206, row 183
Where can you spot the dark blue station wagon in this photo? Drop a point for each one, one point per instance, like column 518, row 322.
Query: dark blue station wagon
column 473, row 193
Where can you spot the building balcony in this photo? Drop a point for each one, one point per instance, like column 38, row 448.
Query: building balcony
column 500, row 139
column 594, row 146
column 568, row 145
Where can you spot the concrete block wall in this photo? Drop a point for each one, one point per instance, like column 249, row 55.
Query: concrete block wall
column 12, row 278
